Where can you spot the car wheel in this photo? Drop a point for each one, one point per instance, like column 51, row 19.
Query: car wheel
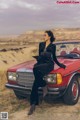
column 18, row 95
column 71, row 95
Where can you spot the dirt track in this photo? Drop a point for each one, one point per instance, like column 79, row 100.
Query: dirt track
column 53, row 110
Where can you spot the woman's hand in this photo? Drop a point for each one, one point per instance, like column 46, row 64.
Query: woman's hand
column 62, row 65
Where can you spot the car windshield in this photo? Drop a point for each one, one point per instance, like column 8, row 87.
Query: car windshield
column 70, row 50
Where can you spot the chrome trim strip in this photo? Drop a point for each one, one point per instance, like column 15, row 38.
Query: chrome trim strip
column 51, row 91
column 70, row 79
column 55, row 89
column 15, row 86
column 71, row 72
column 24, row 70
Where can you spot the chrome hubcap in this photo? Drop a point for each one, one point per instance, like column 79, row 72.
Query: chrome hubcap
column 75, row 90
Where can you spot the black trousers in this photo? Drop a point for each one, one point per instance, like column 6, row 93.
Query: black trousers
column 39, row 70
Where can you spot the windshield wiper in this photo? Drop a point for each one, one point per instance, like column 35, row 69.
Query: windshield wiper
column 69, row 56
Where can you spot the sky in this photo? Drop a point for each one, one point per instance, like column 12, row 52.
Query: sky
column 19, row 16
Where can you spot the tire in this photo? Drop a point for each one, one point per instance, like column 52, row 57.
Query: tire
column 18, row 95
column 71, row 95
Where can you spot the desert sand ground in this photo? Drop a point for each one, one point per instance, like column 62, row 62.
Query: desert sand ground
column 19, row 49
column 48, row 110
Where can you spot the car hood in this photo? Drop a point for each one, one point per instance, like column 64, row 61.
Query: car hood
column 71, row 64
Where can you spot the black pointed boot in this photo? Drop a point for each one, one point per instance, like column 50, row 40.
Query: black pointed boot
column 32, row 109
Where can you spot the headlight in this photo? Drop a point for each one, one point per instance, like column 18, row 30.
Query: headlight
column 12, row 76
column 53, row 78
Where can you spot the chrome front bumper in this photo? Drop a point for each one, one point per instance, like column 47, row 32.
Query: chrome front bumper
column 27, row 90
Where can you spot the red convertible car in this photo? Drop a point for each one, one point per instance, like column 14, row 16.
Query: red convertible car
column 61, row 82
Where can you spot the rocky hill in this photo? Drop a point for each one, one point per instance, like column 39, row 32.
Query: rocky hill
column 60, row 34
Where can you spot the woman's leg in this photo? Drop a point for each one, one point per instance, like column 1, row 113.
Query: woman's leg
column 39, row 71
column 38, row 82
column 34, row 94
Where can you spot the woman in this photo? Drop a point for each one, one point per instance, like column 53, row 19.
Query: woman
column 45, row 64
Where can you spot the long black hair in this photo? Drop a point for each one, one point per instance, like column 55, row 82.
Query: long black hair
column 50, row 33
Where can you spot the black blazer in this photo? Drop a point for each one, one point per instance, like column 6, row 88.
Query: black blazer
column 50, row 48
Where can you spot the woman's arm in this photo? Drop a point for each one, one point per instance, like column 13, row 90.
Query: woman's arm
column 54, row 56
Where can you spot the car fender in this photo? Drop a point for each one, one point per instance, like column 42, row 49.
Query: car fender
column 74, row 74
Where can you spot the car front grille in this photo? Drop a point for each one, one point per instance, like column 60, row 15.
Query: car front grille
column 25, row 79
